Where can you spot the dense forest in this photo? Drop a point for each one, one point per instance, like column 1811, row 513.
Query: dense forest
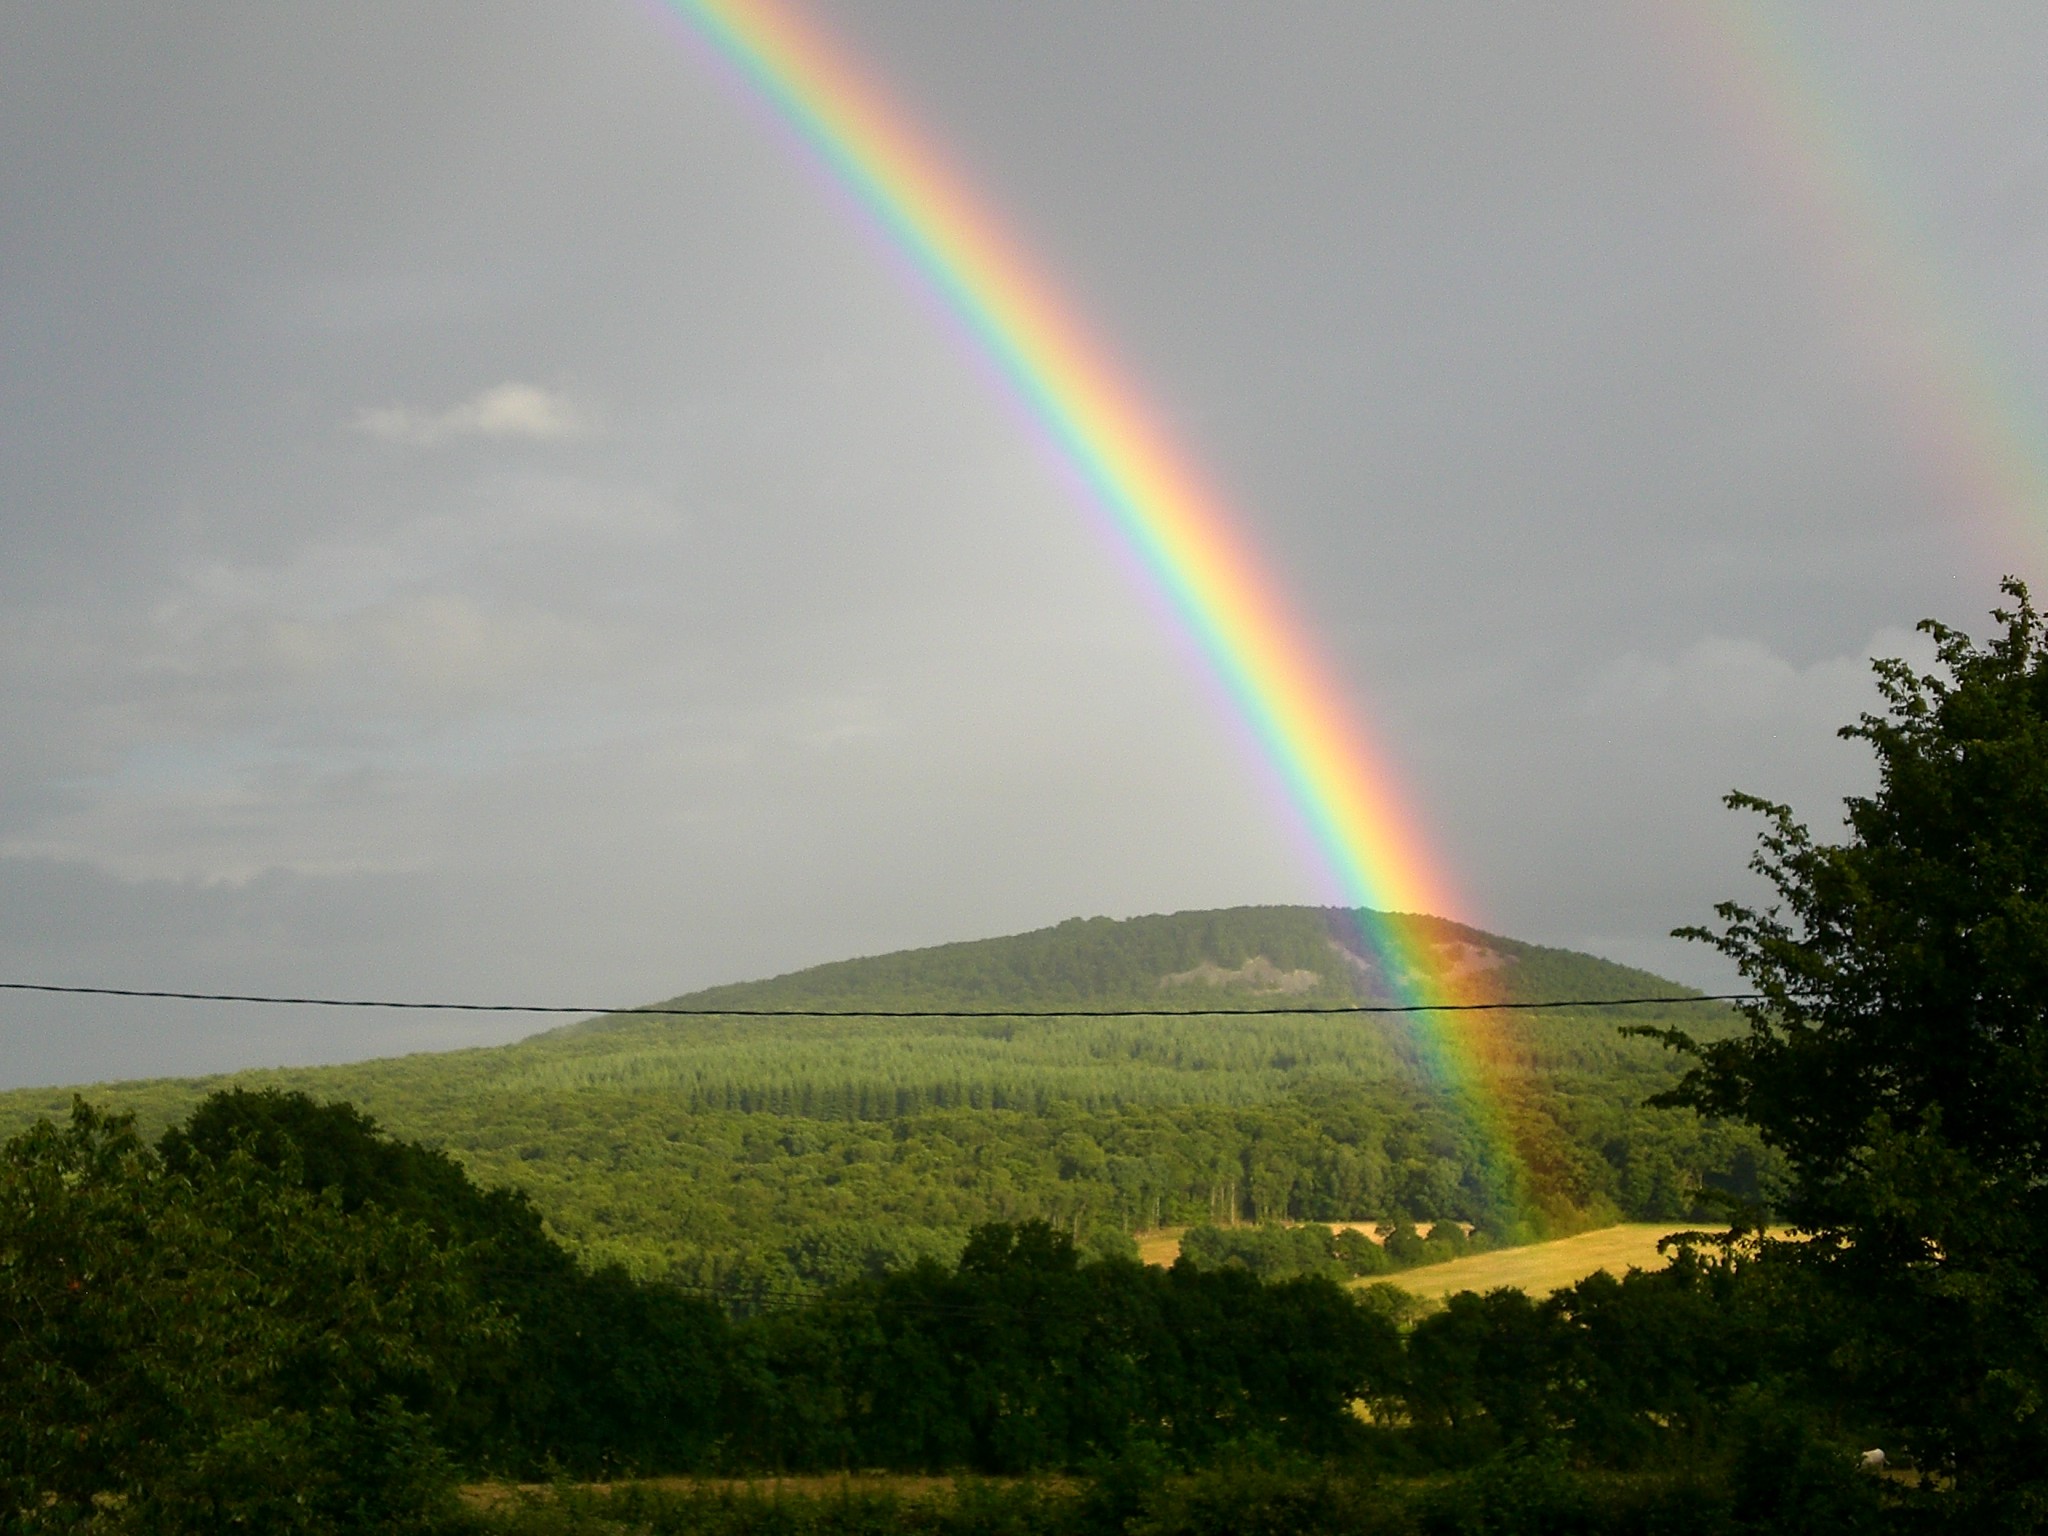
column 770, row 1155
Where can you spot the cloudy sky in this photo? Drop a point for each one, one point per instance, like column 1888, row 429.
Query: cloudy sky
column 483, row 520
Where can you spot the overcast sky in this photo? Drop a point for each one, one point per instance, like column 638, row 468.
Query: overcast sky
column 482, row 520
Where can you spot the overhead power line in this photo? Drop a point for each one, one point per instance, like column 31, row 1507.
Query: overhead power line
column 665, row 1011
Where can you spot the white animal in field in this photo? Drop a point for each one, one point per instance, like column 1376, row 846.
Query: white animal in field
column 1872, row 1461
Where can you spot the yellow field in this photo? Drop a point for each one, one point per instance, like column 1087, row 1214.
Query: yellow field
column 1160, row 1246
column 1540, row 1268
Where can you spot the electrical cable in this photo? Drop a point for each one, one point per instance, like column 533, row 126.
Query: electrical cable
column 664, row 1011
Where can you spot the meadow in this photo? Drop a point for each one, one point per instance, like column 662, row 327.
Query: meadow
column 1541, row 1268
column 1537, row 1268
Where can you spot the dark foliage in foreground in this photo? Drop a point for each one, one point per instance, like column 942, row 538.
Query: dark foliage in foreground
column 1238, row 1497
column 286, row 1319
column 1899, row 1063
column 1024, row 1358
column 230, row 1350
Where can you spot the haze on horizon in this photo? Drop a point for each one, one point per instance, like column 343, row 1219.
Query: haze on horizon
column 482, row 521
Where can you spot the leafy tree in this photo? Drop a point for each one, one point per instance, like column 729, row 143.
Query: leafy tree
column 334, row 1147
column 213, row 1348
column 1485, row 1365
column 1405, row 1246
column 1898, row 1058
column 1359, row 1254
column 595, row 1371
column 1025, row 1357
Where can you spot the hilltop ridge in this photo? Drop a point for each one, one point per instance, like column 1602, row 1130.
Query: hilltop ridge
column 1210, row 961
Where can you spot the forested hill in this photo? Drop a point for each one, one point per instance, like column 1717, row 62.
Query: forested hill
column 1215, row 961
column 797, row 1151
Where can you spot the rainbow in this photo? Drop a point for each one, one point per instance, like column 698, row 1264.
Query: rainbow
column 1157, row 501
column 1957, row 398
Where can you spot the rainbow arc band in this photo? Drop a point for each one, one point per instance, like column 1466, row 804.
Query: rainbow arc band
column 1151, row 493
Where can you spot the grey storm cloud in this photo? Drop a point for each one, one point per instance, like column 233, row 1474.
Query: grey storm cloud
column 482, row 519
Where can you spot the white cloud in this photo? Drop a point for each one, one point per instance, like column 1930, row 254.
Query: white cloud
column 507, row 410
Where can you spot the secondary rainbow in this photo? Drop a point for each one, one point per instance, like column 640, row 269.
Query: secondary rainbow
column 1158, row 502
column 1959, row 402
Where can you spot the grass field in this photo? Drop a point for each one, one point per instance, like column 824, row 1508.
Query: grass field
column 1160, row 1246
column 1540, row 1268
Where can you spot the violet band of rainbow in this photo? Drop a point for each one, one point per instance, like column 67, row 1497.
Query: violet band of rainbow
column 1959, row 401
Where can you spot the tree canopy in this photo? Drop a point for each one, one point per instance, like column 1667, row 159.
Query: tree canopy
column 1898, row 1059
column 216, row 1347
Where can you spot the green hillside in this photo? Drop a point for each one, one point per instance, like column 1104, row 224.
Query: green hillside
column 790, row 1152
column 1240, row 957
